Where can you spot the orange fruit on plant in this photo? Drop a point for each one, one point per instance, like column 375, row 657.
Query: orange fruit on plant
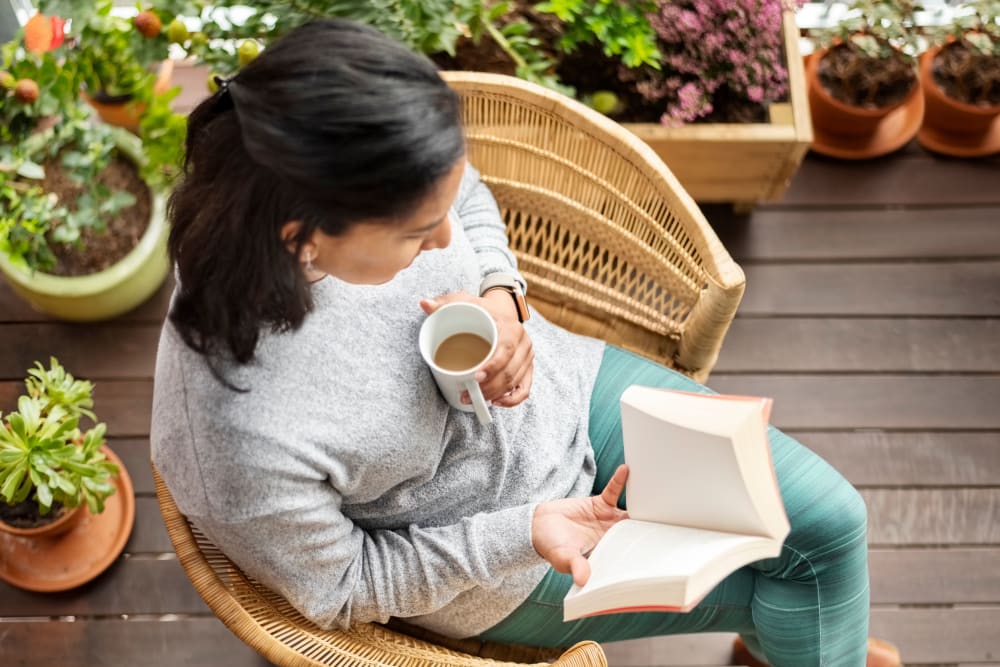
column 38, row 34
column 148, row 23
column 26, row 90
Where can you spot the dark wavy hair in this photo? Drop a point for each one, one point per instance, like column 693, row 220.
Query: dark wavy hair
column 332, row 124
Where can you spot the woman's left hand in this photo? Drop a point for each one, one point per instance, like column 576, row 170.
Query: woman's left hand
column 506, row 377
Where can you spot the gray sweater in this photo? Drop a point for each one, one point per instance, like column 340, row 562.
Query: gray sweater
column 342, row 479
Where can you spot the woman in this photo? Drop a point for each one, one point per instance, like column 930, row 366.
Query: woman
column 326, row 207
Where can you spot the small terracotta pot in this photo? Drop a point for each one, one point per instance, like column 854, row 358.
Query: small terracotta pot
column 70, row 517
column 127, row 113
column 833, row 117
column 953, row 122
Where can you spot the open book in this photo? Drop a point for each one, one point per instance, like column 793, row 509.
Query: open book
column 703, row 501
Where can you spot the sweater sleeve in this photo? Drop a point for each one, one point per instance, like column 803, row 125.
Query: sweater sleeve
column 480, row 216
column 336, row 574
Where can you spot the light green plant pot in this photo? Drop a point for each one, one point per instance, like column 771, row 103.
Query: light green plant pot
column 109, row 293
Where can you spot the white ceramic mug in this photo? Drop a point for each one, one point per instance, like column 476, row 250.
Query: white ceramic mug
column 448, row 320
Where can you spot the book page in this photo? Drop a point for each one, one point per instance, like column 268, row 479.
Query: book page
column 640, row 565
column 683, row 469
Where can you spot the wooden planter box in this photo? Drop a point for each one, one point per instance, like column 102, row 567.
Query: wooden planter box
column 742, row 163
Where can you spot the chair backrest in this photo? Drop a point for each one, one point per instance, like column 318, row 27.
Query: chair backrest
column 610, row 243
column 611, row 246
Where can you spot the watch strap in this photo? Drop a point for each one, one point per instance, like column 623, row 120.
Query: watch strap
column 511, row 285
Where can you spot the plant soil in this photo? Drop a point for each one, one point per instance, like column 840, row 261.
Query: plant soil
column 26, row 515
column 853, row 78
column 98, row 249
column 967, row 75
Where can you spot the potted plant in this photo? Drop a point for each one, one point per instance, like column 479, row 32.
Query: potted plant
column 114, row 56
column 864, row 93
column 608, row 53
column 82, row 230
column 960, row 78
column 49, row 467
column 66, row 500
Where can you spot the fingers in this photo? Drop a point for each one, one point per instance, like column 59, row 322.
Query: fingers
column 507, row 371
column 580, row 569
column 567, row 561
column 519, row 393
column 615, row 487
column 430, row 305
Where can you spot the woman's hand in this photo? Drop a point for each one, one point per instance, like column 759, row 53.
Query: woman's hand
column 506, row 377
column 565, row 531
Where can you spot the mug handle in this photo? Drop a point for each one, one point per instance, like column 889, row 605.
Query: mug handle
column 478, row 402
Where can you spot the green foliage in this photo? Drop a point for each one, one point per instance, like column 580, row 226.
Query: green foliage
column 426, row 26
column 103, row 55
column 876, row 28
column 110, row 56
column 44, row 456
column 620, row 26
column 975, row 23
column 31, row 218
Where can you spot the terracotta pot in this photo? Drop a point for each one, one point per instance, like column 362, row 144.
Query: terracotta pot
column 70, row 517
column 86, row 546
column 126, row 113
column 951, row 126
column 833, row 117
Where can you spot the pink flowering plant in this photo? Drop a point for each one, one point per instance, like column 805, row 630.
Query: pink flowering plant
column 713, row 48
column 675, row 61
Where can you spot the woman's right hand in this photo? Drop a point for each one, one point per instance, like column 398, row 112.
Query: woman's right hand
column 565, row 531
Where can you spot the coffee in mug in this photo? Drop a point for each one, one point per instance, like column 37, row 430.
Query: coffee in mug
column 461, row 351
column 456, row 340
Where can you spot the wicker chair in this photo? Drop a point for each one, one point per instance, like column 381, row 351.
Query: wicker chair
column 611, row 246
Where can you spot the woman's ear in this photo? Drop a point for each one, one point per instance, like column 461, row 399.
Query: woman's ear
column 305, row 252
column 289, row 232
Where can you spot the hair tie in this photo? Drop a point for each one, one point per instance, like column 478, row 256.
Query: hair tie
column 223, row 84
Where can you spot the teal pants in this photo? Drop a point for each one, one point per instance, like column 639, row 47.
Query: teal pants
column 808, row 606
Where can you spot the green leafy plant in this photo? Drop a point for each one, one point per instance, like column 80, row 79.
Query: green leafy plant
column 45, row 458
column 45, row 124
column 230, row 33
column 967, row 67
column 32, row 218
column 621, row 28
column 876, row 28
column 871, row 53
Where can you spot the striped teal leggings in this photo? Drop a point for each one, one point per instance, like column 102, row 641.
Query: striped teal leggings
column 809, row 606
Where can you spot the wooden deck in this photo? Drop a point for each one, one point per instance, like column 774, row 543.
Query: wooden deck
column 872, row 316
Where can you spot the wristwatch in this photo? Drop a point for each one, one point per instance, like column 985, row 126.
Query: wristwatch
column 512, row 286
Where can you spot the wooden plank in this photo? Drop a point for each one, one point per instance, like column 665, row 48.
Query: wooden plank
column 802, row 401
column 149, row 535
column 14, row 309
column 935, row 576
column 770, row 233
column 707, row 648
column 933, row 516
column 875, row 458
column 116, row 350
column 911, row 289
column 887, row 402
column 924, row 637
column 132, row 586
column 192, row 642
column 928, row 636
column 124, row 405
column 917, row 180
column 134, row 453
column 860, row 345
